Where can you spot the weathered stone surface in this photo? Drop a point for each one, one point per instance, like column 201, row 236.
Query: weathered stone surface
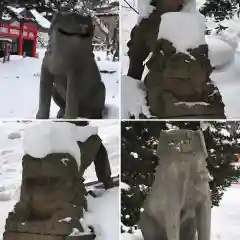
column 52, row 190
column 180, row 195
column 25, row 236
column 179, row 85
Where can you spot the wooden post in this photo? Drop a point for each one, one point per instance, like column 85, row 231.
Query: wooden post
column 5, row 50
column 20, row 40
column 34, row 50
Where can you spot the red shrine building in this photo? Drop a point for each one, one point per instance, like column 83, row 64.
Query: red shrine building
column 19, row 31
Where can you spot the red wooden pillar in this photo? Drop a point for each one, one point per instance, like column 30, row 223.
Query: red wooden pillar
column 5, row 51
column 20, row 40
column 34, row 50
column 5, row 48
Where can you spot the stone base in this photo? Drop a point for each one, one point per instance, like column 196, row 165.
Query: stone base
column 25, row 236
column 165, row 106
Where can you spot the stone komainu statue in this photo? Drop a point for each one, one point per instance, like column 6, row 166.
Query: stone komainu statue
column 53, row 194
column 69, row 72
column 179, row 203
column 179, row 85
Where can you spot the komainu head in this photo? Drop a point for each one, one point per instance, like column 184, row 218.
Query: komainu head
column 70, row 41
column 72, row 24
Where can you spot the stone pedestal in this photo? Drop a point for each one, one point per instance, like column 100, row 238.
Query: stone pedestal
column 179, row 85
column 51, row 203
column 25, row 236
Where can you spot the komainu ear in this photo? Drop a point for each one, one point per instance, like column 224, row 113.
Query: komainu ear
column 58, row 15
column 203, row 142
column 163, row 137
column 89, row 18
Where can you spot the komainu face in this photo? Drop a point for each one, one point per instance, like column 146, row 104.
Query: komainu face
column 182, row 141
column 70, row 40
column 48, row 184
column 73, row 24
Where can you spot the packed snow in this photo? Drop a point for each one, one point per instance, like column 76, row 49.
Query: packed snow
column 55, row 137
column 225, row 218
column 191, row 104
column 19, row 86
column 223, row 53
column 220, row 53
column 67, row 219
column 11, row 153
column 108, row 214
column 144, row 9
column 133, row 96
column 188, row 33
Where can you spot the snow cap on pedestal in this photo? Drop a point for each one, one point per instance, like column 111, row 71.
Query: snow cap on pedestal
column 44, row 138
column 144, row 9
column 183, row 30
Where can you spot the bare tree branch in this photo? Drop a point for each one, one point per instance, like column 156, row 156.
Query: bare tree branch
column 131, row 6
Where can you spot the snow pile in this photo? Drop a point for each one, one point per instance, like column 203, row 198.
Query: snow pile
column 108, row 66
column 43, row 138
column 220, row 53
column 133, row 101
column 144, row 9
column 227, row 81
column 184, row 30
column 103, row 215
column 21, row 78
column 137, row 235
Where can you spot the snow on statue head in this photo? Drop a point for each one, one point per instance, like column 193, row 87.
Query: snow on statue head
column 178, row 82
column 180, row 195
column 56, row 137
column 52, row 196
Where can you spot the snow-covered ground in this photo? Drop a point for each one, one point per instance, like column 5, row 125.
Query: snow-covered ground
column 224, row 52
column 225, row 218
column 11, row 152
column 19, row 86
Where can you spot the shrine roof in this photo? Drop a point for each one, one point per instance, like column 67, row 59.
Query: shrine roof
column 11, row 14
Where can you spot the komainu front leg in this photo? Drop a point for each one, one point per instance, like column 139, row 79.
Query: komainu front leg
column 151, row 230
column 172, row 221
column 45, row 93
column 72, row 98
column 97, row 105
column 188, row 229
column 203, row 219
